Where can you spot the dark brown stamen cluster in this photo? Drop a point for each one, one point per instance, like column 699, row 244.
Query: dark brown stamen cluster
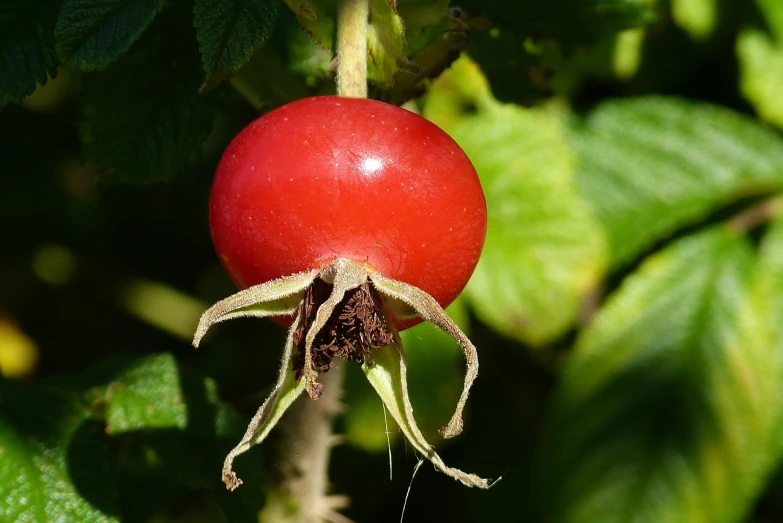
column 357, row 327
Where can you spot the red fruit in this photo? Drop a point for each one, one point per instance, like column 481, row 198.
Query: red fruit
column 329, row 177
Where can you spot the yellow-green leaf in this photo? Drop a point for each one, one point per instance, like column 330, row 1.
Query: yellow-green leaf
column 669, row 409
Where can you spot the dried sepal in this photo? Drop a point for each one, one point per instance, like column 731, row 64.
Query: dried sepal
column 387, row 374
column 428, row 309
column 279, row 297
column 389, row 378
column 285, row 392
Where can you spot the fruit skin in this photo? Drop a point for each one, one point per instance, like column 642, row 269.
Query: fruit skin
column 328, row 177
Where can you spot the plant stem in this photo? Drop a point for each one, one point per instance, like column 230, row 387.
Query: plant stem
column 303, row 463
column 352, row 19
column 303, row 460
column 757, row 215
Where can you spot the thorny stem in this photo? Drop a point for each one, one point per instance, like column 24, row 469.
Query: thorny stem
column 304, row 458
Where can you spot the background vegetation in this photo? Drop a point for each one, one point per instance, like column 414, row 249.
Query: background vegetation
column 628, row 308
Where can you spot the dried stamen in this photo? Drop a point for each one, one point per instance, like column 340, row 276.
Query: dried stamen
column 357, row 328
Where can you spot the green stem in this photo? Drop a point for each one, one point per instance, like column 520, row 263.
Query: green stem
column 352, row 20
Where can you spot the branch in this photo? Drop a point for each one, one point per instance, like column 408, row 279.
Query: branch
column 300, row 495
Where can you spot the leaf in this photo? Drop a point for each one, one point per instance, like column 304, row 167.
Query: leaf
column 772, row 12
column 305, row 58
column 317, row 18
column 90, row 35
column 385, row 43
column 27, row 54
column 528, row 72
column 566, row 20
column 650, row 166
column 627, row 53
column 761, row 337
column 158, row 414
column 543, row 248
column 386, row 32
column 37, row 474
column 517, row 72
column 669, row 409
column 697, row 17
column 229, row 32
column 528, row 54
column 302, row 8
column 149, row 394
column 760, row 55
column 143, row 119
column 424, row 21
column 133, row 427
column 761, row 73
column 435, row 36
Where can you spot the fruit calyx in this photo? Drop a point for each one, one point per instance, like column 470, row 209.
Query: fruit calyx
column 357, row 328
column 346, row 310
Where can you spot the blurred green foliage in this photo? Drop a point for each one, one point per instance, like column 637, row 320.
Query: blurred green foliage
column 627, row 308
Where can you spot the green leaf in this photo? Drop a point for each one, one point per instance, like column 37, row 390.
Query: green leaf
column 530, row 55
column 27, row 54
column 526, row 72
column 91, row 35
column 772, row 11
column 517, row 72
column 566, row 20
column 627, row 53
column 388, row 52
column 159, row 413
column 760, row 55
column 305, row 58
column 650, row 166
column 669, row 409
column 317, row 19
column 697, row 17
column 435, row 36
column 762, row 341
column 543, row 249
column 761, row 73
column 385, row 43
column 38, row 469
column 424, row 21
column 149, row 394
column 144, row 120
column 139, row 423
column 229, row 32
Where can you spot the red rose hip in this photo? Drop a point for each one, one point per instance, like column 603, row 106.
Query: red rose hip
column 329, row 177
column 346, row 219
